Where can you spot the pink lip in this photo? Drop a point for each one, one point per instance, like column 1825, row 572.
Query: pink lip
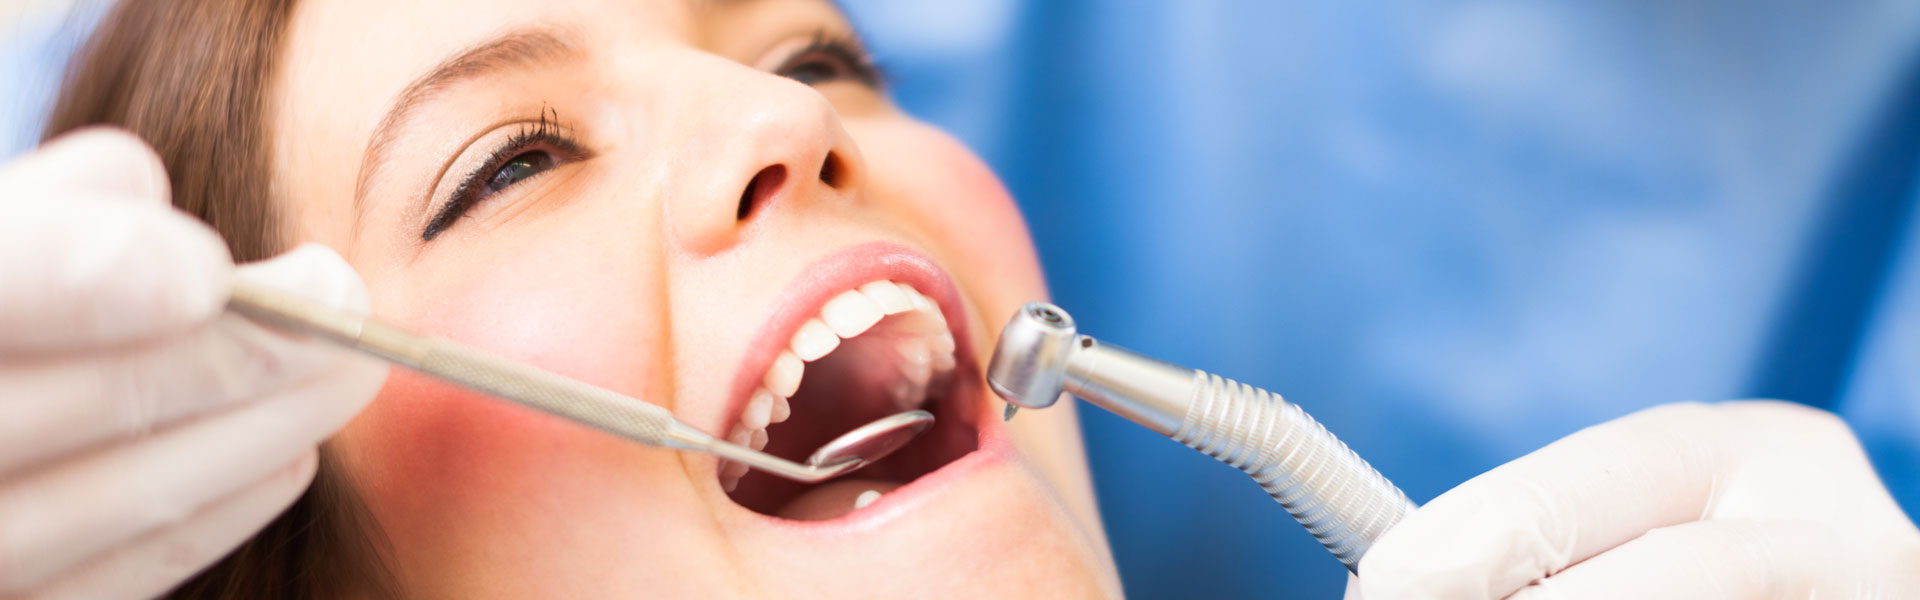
column 812, row 288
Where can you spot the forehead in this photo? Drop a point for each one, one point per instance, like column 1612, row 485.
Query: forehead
column 372, row 48
column 343, row 63
column 386, row 41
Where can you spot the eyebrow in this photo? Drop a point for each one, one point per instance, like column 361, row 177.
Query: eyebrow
column 510, row 50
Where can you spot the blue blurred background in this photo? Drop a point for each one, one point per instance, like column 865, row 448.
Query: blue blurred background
column 1454, row 231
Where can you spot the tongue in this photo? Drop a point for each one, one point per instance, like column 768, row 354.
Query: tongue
column 832, row 499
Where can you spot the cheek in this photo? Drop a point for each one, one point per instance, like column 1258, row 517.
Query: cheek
column 964, row 207
column 424, row 443
column 438, row 463
column 978, row 200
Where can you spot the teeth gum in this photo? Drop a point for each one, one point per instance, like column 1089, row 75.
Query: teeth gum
column 926, row 358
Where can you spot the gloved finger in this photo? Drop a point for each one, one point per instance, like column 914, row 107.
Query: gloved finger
column 316, row 273
column 69, row 512
column 51, row 407
column 1739, row 559
column 54, row 407
column 150, row 565
column 1542, row 512
column 81, row 272
column 95, row 161
column 1798, row 462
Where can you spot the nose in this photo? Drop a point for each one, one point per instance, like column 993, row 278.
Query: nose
column 755, row 142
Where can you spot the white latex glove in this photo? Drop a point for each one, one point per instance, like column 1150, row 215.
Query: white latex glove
column 144, row 432
column 1735, row 500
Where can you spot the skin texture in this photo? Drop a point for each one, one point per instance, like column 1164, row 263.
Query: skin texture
column 629, row 269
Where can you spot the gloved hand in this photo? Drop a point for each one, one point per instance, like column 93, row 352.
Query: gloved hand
column 144, row 432
column 1735, row 500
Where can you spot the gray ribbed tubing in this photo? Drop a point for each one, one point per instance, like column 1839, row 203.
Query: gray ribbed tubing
column 1331, row 491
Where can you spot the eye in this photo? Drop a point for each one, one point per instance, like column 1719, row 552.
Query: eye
column 518, row 169
column 814, row 72
column 828, row 59
column 529, row 153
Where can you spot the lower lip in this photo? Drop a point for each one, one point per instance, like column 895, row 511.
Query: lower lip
column 994, row 449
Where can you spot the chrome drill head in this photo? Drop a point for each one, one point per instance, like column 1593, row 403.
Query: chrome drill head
column 1029, row 363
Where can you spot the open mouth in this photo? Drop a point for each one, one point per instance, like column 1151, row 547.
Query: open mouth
column 878, row 349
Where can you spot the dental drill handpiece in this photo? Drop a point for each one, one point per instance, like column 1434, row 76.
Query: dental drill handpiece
column 1336, row 495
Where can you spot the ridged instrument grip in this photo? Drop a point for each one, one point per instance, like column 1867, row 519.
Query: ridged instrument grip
column 580, row 402
column 556, row 395
column 1329, row 489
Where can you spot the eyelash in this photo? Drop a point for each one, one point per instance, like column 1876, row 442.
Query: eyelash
column 543, row 136
column 851, row 61
column 841, row 54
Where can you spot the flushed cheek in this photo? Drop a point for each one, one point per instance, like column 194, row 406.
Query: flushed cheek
column 426, row 448
column 445, row 469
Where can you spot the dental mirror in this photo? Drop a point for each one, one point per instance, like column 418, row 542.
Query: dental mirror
column 852, row 450
column 873, row 441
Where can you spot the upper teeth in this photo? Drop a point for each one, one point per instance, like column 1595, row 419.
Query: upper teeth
column 927, row 357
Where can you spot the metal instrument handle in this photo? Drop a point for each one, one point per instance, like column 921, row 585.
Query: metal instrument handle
column 567, row 398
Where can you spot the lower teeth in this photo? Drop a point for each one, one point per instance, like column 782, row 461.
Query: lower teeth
column 836, row 498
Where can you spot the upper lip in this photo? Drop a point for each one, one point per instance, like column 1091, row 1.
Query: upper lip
column 829, row 276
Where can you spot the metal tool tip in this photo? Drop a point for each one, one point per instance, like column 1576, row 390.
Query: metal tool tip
column 1011, row 408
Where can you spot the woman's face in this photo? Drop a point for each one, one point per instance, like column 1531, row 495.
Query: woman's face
column 673, row 199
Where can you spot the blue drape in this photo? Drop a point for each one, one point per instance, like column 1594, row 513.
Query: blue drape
column 1453, row 231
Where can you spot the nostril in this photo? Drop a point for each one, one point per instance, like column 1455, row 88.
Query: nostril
column 760, row 189
column 831, row 170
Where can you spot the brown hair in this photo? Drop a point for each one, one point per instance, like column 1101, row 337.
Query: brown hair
column 192, row 78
